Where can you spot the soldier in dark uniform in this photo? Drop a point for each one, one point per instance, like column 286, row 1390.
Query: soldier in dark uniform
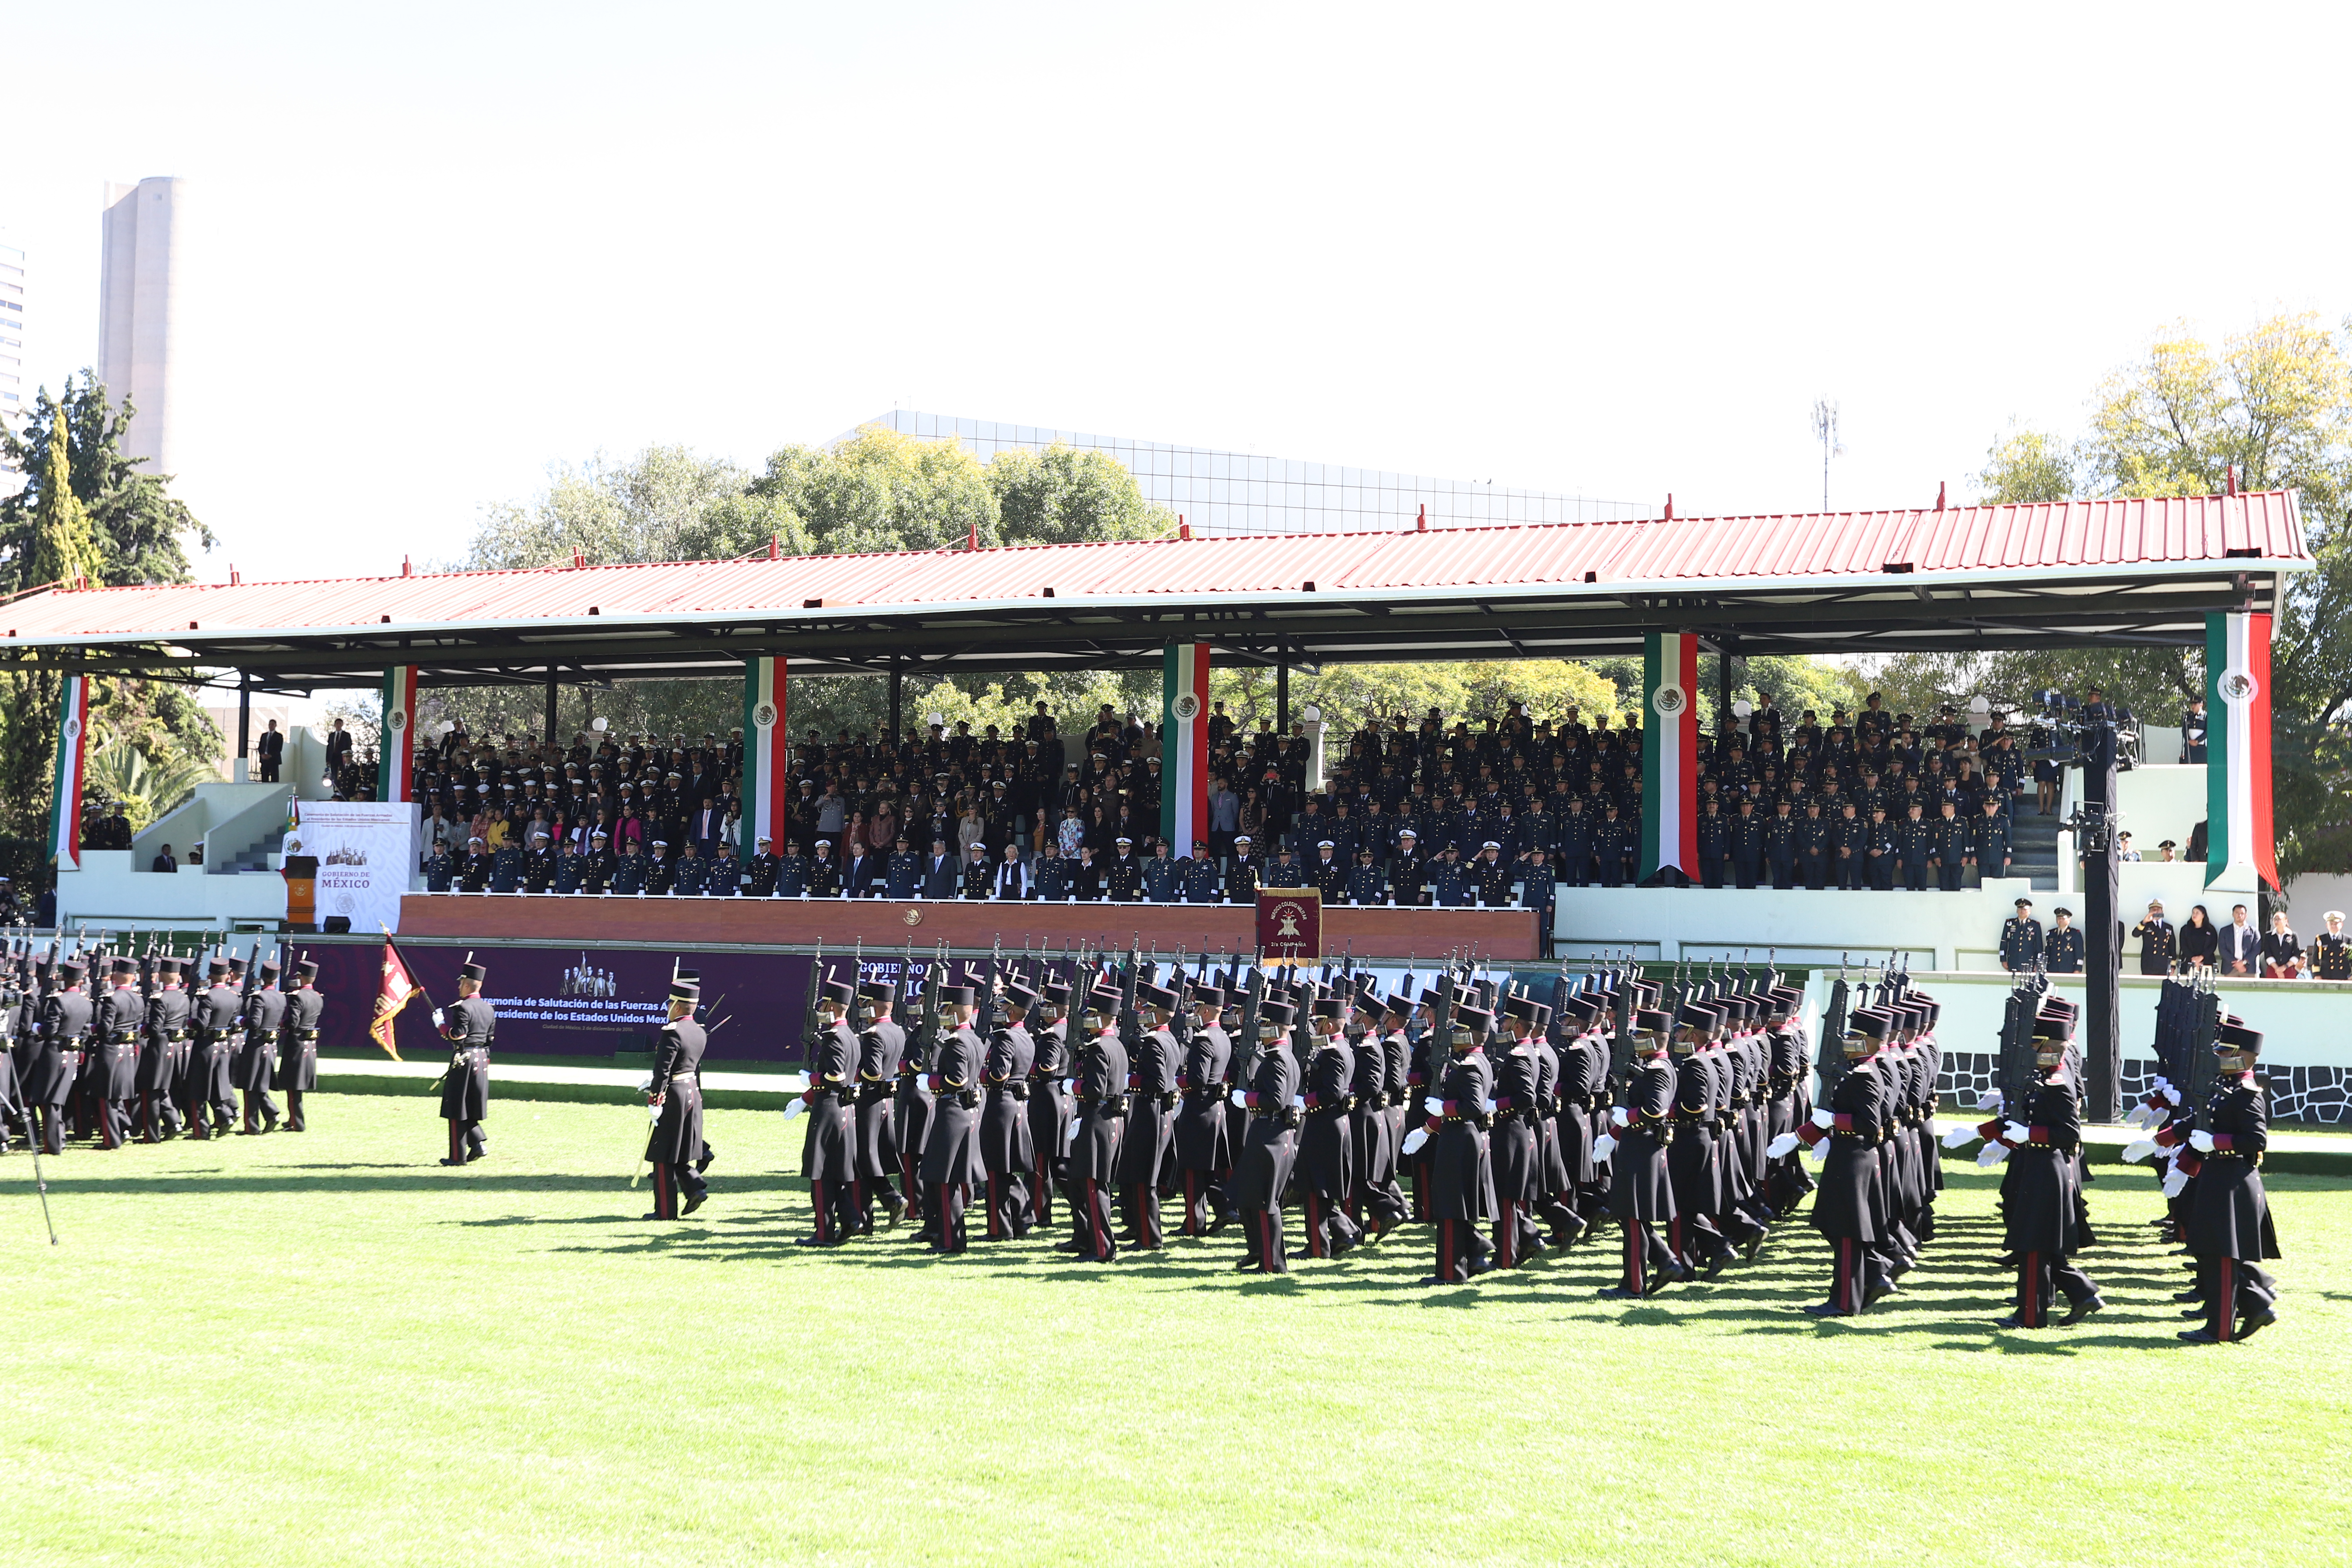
column 2021, row 939
column 1204, row 1151
column 1879, row 850
column 1326, row 875
column 1371, row 1130
column 1270, row 1144
column 569, row 865
column 1122, row 880
column 675, row 1096
column 2230, row 1230
column 474, row 870
column 660, row 870
column 1849, row 846
column 507, row 868
column 256, row 1061
column 1583, row 1098
column 1049, row 1106
column 1462, row 1173
column 690, row 876
column 1101, row 1121
column 2042, row 1199
column 208, row 1097
column 60, row 1029
column 1914, row 845
column 1780, row 845
column 165, row 1060
column 2331, row 950
column 1612, row 838
column 1144, row 1148
column 952, row 1162
column 881, row 1050
column 2062, row 949
column 1324, row 1153
column 440, row 870
column 1516, row 1144
column 597, row 874
column 828, row 1155
column 762, row 869
column 1242, row 875
column 537, row 865
column 1989, row 840
column 1693, row 1163
column 1197, row 874
column 793, row 871
column 1745, row 833
column 1163, row 876
column 1365, row 884
column 1006, row 1151
column 1846, row 1211
column 112, row 1076
column 629, row 870
column 298, row 1040
column 470, row 1025
column 903, row 875
column 2159, row 943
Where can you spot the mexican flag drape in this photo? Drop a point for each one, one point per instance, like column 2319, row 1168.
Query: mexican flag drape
column 1184, row 746
column 1670, row 754
column 64, row 783
column 767, row 752
column 2238, row 838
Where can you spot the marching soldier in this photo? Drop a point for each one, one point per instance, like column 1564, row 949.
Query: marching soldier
column 1693, row 1163
column 1641, row 1132
column 1006, row 1151
column 1150, row 1117
column 2021, row 939
column 164, row 1062
column 470, row 1024
column 115, row 1027
column 1461, row 1171
column 256, row 1062
column 881, row 1049
column 208, row 1096
column 2041, row 1201
column 2230, row 1230
column 827, row 1158
column 1372, row 1140
column 1049, row 1101
column 298, row 1040
column 1846, row 1210
column 952, row 1162
column 1204, row 1150
column 59, row 1030
column 676, row 1097
column 1516, row 1147
column 1094, row 1138
column 1325, row 1163
column 1270, row 1146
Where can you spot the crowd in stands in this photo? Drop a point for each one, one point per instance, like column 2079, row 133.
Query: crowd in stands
column 1412, row 813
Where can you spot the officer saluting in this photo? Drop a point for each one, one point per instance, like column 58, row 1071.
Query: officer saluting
column 2021, row 939
column 470, row 1024
column 676, row 1097
column 298, row 1040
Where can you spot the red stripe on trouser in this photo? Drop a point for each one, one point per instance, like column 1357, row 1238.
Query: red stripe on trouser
column 824, row 1220
column 1506, row 1233
column 1041, row 1202
column 1675, row 1236
column 1844, row 1288
column 992, row 1234
column 1445, row 1251
column 661, row 1191
column 455, row 1139
column 1094, row 1219
column 1191, row 1203
column 2226, row 1299
column 2029, row 1290
column 1314, row 1227
column 951, row 1222
column 1635, row 1264
column 858, row 1197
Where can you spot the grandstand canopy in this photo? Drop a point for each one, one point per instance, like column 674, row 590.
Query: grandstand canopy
column 2097, row 573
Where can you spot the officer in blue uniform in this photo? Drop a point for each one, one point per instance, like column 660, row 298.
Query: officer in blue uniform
column 2061, row 950
column 1813, row 848
column 1610, row 837
column 1049, row 874
column 903, row 877
column 1408, row 874
column 1714, row 842
column 722, row 878
column 1196, row 876
column 1162, row 877
column 1914, row 845
column 2021, row 939
column 1949, row 845
column 440, row 868
column 1747, row 845
column 1989, row 837
column 1365, row 884
column 569, row 863
column 792, row 871
column 1575, row 832
column 1447, row 886
column 1536, row 884
column 506, row 868
column 1780, row 846
column 629, row 870
column 1285, row 872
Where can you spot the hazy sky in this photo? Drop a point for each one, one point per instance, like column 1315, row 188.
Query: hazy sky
column 433, row 250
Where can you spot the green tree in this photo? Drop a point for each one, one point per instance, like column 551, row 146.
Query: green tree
column 2026, row 464
column 1064, row 496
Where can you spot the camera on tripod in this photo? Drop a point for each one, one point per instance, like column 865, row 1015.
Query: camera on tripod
column 2070, row 729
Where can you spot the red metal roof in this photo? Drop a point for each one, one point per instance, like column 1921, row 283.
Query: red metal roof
column 2058, row 540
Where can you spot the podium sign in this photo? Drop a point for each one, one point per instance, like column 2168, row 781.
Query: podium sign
column 1289, row 925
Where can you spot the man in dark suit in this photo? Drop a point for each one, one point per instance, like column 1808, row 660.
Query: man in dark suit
column 2242, row 944
column 269, row 751
column 858, row 874
column 942, row 877
column 707, row 825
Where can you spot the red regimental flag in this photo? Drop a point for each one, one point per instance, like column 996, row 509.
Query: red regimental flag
column 397, row 991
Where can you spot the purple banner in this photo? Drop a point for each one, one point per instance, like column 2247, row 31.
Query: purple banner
column 579, row 1003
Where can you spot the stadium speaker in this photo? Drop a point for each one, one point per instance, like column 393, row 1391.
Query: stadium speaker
column 339, row 925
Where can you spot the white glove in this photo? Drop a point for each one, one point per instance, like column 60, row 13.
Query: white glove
column 1241, row 1098
column 1620, row 1117
column 2141, row 1115
column 1415, row 1139
column 1298, row 1103
column 1489, row 1104
column 2138, row 1149
column 2016, row 1131
column 1992, row 1154
column 1603, row 1146
column 2174, row 1183
column 1433, row 1105
column 793, row 1107
column 1825, row 1118
column 1820, row 1152
column 1070, row 1133
column 2201, row 1140
column 2171, row 1095
column 1069, row 1086
column 438, row 1020
column 1989, row 1100
column 1783, row 1146
column 1957, row 1136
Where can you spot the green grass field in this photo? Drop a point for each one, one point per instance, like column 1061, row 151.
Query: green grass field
column 327, row 1349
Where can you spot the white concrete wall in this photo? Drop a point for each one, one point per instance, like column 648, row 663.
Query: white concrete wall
column 2310, row 897
column 2160, row 803
column 1936, row 929
column 109, row 893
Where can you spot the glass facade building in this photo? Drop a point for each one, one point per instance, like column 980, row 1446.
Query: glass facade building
column 1240, row 492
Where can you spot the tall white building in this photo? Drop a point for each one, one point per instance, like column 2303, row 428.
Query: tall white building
column 15, row 397
column 139, row 310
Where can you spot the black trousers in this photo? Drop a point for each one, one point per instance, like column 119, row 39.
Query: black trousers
column 1204, row 1202
column 294, row 1122
column 672, row 1184
column 1915, row 876
column 465, row 1140
column 1455, row 1242
column 1644, row 1250
column 1268, row 1248
column 1329, row 1231
column 1008, row 1205
column 1141, row 1201
column 2039, row 1275
column 53, row 1129
column 258, row 1106
column 1091, row 1225
column 2234, row 1287
column 836, row 1210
